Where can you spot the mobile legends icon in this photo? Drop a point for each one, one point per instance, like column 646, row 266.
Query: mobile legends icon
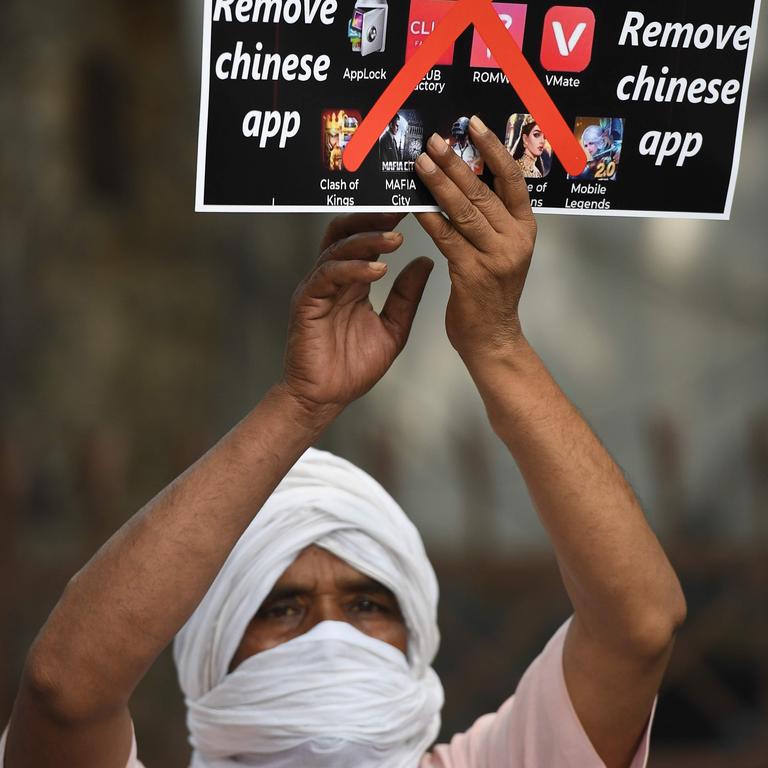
column 601, row 139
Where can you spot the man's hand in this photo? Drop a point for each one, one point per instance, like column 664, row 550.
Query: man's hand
column 338, row 347
column 487, row 239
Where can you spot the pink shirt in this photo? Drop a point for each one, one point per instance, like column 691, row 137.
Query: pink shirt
column 535, row 728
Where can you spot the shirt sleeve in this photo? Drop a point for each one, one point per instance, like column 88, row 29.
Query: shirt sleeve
column 133, row 760
column 536, row 728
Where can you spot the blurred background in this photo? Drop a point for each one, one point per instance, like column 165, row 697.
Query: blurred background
column 133, row 333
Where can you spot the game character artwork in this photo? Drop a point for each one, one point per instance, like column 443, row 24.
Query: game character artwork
column 601, row 138
column 528, row 146
column 338, row 126
column 402, row 142
column 462, row 145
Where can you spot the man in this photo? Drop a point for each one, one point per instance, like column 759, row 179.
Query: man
column 329, row 665
column 389, row 149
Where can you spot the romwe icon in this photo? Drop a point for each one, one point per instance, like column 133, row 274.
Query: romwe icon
column 513, row 16
column 367, row 31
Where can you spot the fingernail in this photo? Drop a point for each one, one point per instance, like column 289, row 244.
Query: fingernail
column 392, row 235
column 438, row 144
column 426, row 163
column 478, row 124
column 378, row 266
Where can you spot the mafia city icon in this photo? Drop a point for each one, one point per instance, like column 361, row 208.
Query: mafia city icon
column 367, row 30
column 402, row 142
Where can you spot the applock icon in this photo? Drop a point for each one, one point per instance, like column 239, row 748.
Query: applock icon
column 368, row 26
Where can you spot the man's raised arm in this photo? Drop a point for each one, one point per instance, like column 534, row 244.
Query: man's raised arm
column 120, row 611
column 627, row 600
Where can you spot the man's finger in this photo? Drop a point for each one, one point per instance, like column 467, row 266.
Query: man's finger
column 448, row 241
column 329, row 278
column 352, row 223
column 509, row 182
column 403, row 300
column 366, row 246
column 464, row 215
column 476, row 190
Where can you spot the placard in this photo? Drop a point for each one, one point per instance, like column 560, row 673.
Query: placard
column 654, row 93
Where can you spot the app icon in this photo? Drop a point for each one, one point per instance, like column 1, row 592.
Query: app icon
column 423, row 19
column 513, row 16
column 338, row 126
column 528, row 145
column 367, row 30
column 602, row 139
column 461, row 143
column 566, row 44
column 402, row 142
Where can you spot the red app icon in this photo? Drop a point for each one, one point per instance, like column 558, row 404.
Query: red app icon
column 513, row 16
column 424, row 17
column 566, row 45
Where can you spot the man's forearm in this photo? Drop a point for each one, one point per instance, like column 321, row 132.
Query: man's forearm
column 617, row 575
column 126, row 604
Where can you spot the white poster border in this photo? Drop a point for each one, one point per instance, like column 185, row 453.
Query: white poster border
column 202, row 143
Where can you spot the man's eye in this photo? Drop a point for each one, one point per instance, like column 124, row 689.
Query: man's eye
column 278, row 611
column 364, row 605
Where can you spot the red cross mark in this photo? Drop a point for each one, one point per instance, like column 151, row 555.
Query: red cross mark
column 509, row 57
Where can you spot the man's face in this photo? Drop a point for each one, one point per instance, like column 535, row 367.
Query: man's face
column 316, row 587
column 394, row 126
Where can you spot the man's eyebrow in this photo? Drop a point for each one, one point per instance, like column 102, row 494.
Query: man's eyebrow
column 364, row 584
column 351, row 584
column 285, row 591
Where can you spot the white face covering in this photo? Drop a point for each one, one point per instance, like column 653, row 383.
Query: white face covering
column 333, row 697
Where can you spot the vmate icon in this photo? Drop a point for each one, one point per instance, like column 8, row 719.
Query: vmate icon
column 569, row 33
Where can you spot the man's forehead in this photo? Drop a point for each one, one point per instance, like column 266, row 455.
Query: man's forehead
column 315, row 565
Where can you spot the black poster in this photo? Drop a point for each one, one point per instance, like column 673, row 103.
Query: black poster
column 654, row 92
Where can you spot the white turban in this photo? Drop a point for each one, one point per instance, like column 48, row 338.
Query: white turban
column 332, row 696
